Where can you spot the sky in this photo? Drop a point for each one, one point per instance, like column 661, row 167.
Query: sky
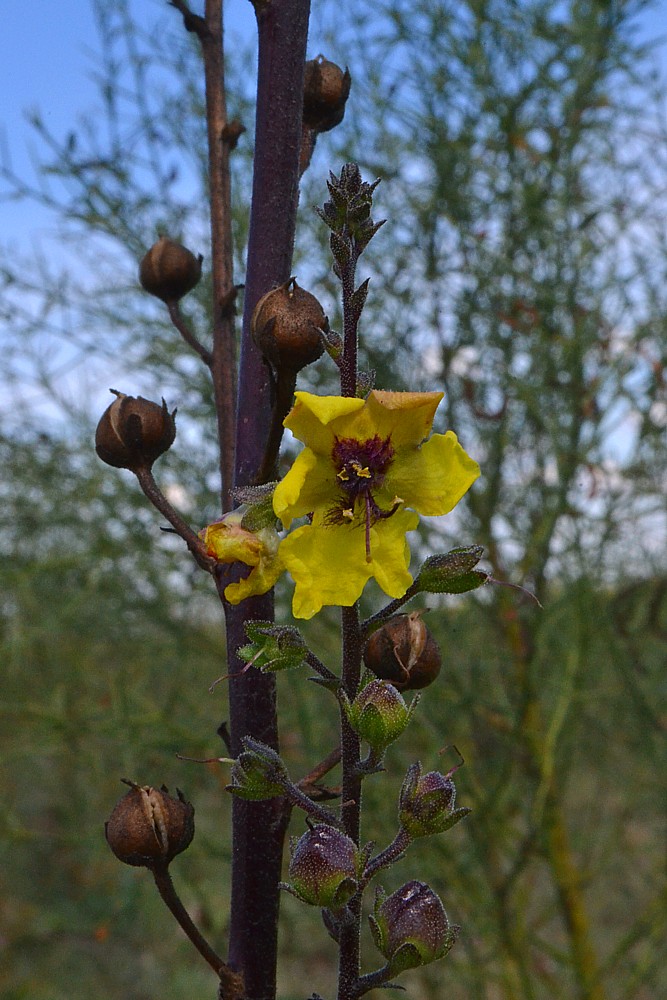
column 46, row 57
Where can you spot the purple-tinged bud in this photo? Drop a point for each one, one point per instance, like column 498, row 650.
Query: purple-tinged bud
column 426, row 803
column 133, row 432
column 378, row 714
column 286, row 326
column 410, row 927
column 326, row 88
column 404, row 652
column 324, row 867
column 148, row 826
column 169, row 271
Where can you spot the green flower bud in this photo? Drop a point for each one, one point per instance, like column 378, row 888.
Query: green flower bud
column 378, row 714
column 426, row 803
column 324, row 867
column 410, row 927
column 258, row 773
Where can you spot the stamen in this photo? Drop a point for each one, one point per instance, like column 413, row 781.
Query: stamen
column 362, row 472
column 349, row 514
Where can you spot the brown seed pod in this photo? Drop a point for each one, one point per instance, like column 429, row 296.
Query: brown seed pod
column 149, row 826
column 325, row 91
column 404, row 652
column 169, row 271
column 286, row 327
column 133, row 432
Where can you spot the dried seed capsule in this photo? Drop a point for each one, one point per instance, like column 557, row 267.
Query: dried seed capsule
column 133, row 432
column 286, row 327
column 404, row 652
column 169, row 270
column 148, row 826
column 326, row 88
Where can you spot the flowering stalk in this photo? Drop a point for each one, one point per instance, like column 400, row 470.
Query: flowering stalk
column 258, row 828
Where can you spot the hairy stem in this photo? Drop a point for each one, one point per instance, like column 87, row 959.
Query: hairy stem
column 348, row 367
column 258, row 828
column 348, row 967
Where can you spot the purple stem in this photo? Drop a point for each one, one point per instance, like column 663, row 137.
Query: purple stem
column 258, row 828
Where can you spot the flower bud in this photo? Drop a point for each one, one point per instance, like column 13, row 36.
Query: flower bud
column 133, row 432
column 148, row 826
column 324, row 867
column 325, row 91
column 410, row 927
column 426, row 803
column 404, row 652
column 378, row 714
column 258, row 773
column 286, row 327
column 169, row 271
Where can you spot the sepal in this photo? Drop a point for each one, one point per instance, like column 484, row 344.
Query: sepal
column 258, row 773
column 273, row 647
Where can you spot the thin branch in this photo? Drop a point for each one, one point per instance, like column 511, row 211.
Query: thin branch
column 159, row 500
column 231, row 984
column 179, row 321
column 390, row 609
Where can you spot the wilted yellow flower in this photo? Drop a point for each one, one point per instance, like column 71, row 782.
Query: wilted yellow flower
column 228, row 542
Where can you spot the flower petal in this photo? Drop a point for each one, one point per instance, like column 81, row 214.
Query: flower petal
column 328, row 565
column 406, row 417
column 310, row 484
column 311, row 417
column 259, row 581
column 328, row 562
column 390, row 552
column 432, row 479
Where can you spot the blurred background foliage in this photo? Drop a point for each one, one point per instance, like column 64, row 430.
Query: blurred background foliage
column 523, row 269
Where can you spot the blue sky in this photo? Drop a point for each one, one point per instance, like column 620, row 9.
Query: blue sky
column 46, row 56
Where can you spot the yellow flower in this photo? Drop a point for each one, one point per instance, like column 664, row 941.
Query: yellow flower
column 229, row 542
column 364, row 476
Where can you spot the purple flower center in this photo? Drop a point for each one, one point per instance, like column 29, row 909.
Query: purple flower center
column 360, row 469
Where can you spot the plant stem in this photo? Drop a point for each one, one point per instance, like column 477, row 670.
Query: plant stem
column 220, row 142
column 348, row 968
column 348, row 367
column 258, row 828
column 398, row 846
column 159, row 500
column 177, row 318
column 231, row 983
column 285, row 384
